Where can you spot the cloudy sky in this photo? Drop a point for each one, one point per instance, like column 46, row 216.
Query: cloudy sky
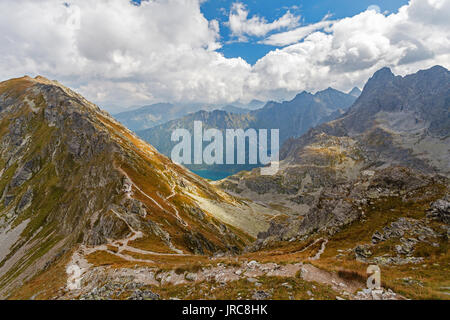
column 120, row 53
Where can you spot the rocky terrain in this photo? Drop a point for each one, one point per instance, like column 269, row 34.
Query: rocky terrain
column 73, row 181
column 396, row 122
column 383, row 167
column 90, row 211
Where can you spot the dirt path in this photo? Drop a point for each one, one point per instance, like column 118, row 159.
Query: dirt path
column 122, row 245
column 312, row 273
column 321, row 250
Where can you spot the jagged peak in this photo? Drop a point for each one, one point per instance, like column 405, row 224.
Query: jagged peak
column 379, row 78
column 434, row 71
column 383, row 73
column 328, row 90
column 302, row 94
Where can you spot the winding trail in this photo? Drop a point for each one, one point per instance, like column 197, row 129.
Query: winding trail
column 321, row 250
column 79, row 265
column 123, row 243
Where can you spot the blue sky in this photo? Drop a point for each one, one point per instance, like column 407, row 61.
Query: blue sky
column 310, row 11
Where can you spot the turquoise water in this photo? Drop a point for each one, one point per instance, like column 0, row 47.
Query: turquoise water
column 212, row 175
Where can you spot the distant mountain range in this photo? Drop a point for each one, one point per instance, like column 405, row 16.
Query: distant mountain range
column 149, row 116
column 152, row 115
column 292, row 118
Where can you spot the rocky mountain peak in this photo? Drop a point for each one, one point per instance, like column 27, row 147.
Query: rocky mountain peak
column 302, row 95
column 384, row 74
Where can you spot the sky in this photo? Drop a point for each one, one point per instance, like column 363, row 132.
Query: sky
column 122, row 53
column 308, row 12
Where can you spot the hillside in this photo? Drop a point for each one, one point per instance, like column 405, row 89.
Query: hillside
column 369, row 188
column 77, row 186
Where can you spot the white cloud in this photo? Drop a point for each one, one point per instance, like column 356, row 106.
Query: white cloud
column 296, row 35
column 375, row 8
column 164, row 50
column 121, row 53
column 352, row 49
column 241, row 26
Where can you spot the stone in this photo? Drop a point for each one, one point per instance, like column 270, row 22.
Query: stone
column 362, row 252
column 191, row 276
column 440, row 210
column 261, row 295
column 25, row 201
column 377, row 237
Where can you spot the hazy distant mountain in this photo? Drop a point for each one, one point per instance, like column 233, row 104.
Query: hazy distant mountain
column 74, row 183
column 306, row 110
column 233, row 109
column 252, row 105
column 255, row 104
column 149, row 116
column 152, row 115
column 292, row 118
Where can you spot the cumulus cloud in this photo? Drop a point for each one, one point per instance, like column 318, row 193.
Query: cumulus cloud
column 120, row 54
column 241, row 26
column 293, row 36
column 352, row 49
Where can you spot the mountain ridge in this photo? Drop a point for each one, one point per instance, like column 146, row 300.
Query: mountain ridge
column 292, row 118
column 396, row 122
column 73, row 180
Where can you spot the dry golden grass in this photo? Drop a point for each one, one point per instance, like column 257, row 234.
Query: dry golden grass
column 45, row 285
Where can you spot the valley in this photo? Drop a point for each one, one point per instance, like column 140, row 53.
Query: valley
column 88, row 210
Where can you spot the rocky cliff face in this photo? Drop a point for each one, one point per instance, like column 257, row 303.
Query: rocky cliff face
column 72, row 178
column 395, row 138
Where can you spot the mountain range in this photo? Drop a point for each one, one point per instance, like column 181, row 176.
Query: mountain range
column 146, row 117
column 292, row 118
column 78, row 186
column 394, row 135
column 88, row 210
